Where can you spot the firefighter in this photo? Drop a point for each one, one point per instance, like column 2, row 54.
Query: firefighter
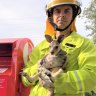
column 79, row 77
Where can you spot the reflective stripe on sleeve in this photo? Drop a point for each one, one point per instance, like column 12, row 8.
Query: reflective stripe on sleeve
column 82, row 81
column 79, row 81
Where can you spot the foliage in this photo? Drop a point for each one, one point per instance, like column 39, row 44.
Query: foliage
column 90, row 14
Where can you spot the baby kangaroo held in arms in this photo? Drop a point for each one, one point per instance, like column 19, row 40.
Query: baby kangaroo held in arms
column 51, row 65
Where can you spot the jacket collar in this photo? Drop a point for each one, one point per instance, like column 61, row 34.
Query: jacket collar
column 74, row 39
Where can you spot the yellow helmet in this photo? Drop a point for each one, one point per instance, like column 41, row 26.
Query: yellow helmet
column 55, row 3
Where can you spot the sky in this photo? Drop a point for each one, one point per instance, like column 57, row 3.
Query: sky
column 26, row 19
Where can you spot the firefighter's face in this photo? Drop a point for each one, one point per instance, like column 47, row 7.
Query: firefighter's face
column 62, row 16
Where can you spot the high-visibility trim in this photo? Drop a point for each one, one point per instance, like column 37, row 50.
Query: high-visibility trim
column 75, row 79
column 78, row 79
column 81, row 79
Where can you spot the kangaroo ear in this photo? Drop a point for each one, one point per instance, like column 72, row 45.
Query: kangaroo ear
column 48, row 38
column 60, row 38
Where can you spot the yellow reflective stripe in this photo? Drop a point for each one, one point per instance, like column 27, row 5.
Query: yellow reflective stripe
column 81, row 79
column 75, row 79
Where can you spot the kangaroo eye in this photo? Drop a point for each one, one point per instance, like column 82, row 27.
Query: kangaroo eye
column 56, row 47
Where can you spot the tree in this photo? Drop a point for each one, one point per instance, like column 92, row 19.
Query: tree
column 90, row 14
